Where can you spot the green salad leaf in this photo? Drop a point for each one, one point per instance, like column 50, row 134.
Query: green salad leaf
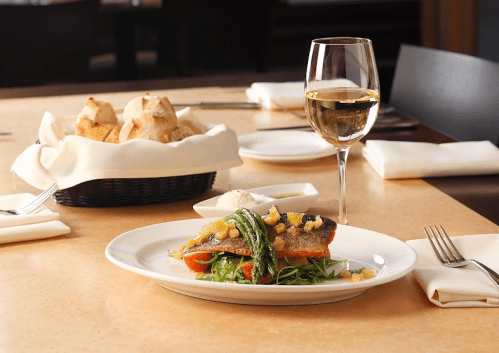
column 226, row 267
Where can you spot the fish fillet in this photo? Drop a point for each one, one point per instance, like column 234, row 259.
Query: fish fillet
column 294, row 242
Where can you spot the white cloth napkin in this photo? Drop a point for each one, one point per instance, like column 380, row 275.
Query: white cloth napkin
column 399, row 159
column 289, row 95
column 69, row 160
column 459, row 287
column 43, row 223
column 275, row 95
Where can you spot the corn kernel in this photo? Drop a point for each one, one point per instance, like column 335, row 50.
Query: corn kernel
column 219, row 228
column 201, row 238
column 222, row 235
column 309, row 226
column 295, row 218
column 280, row 228
column 293, row 230
column 279, row 244
column 344, row 273
column 190, row 243
column 273, row 217
column 368, row 273
column 318, row 222
column 356, row 277
column 176, row 254
column 234, row 233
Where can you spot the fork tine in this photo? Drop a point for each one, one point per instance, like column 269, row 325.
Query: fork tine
column 34, row 204
column 437, row 253
column 438, row 240
column 454, row 250
column 449, row 256
column 38, row 200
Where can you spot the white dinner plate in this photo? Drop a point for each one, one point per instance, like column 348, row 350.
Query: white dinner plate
column 284, row 146
column 266, row 196
column 145, row 251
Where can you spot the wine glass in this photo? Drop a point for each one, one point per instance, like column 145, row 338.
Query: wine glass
column 342, row 97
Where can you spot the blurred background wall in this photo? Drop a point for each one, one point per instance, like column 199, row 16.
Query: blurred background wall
column 148, row 39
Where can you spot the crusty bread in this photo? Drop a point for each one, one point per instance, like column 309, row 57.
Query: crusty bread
column 96, row 120
column 181, row 132
column 153, row 105
column 114, row 134
column 99, row 132
column 98, row 112
column 146, row 127
column 196, row 128
column 148, row 117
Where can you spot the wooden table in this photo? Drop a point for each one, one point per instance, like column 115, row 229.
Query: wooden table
column 63, row 295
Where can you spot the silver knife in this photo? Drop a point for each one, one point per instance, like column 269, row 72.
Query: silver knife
column 295, row 127
column 221, row 105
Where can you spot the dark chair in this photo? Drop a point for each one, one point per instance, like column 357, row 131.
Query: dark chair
column 455, row 94
column 46, row 43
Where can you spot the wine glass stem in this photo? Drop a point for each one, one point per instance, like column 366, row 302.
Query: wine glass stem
column 342, row 154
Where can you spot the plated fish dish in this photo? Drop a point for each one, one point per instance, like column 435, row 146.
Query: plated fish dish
column 276, row 248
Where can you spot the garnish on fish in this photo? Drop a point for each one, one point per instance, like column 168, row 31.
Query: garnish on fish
column 260, row 245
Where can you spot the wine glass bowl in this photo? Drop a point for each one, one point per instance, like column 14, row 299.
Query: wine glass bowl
column 342, row 96
column 342, row 116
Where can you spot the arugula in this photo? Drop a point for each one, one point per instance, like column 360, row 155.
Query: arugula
column 317, row 271
column 228, row 268
column 225, row 269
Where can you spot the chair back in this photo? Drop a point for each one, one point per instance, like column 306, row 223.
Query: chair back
column 41, row 43
column 455, row 94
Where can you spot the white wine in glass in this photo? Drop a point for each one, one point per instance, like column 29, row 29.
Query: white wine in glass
column 342, row 97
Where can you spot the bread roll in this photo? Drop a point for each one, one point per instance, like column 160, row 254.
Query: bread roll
column 196, row 127
column 181, row 132
column 86, row 128
column 98, row 112
column 149, row 117
column 114, row 135
column 96, row 121
column 156, row 106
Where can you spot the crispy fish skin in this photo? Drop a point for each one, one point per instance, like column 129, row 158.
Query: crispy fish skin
column 297, row 241
column 313, row 243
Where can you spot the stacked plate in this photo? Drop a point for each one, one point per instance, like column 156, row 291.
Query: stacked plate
column 284, row 146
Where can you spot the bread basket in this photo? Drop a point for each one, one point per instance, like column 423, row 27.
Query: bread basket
column 137, row 172
column 136, row 191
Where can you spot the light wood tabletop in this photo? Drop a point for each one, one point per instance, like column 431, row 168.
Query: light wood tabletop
column 63, row 295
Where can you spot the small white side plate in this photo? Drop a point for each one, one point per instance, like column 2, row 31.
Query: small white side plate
column 270, row 198
column 284, row 146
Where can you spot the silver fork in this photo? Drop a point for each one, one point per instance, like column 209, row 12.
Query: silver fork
column 449, row 256
column 33, row 205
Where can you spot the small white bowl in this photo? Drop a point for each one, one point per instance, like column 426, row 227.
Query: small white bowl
column 280, row 196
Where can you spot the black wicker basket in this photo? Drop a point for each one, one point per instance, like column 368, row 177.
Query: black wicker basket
column 140, row 191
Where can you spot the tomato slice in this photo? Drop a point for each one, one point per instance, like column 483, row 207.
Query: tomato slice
column 191, row 260
column 247, row 267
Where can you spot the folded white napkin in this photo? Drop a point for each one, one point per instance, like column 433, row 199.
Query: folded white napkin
column 43, row 223
column 459, row 287
column 69, row 160
column 289, row 95
column 275, row 95
column 399, row 159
